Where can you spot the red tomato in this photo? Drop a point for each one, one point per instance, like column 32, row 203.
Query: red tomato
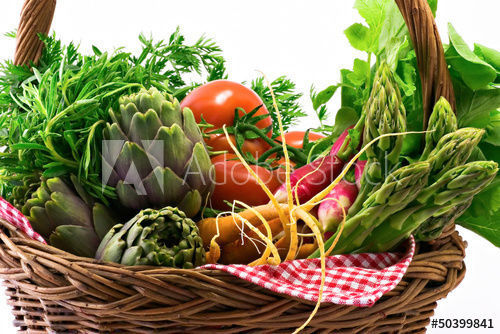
column 217, row 100
column 295, row 138
column 256, row 147
column 234, row 182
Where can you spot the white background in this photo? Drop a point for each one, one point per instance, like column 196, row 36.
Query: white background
column 303, row 39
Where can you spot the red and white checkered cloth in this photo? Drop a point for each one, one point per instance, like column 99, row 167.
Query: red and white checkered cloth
column 354, row 279
column 9, row 213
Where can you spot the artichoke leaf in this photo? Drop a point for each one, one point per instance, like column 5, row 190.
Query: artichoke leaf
column 172, row 148
column 144, row 128
column 191, row 128
column 103, row 220
column 200, row 173
column 41, row 222
column 169, row 113
column 127, row 112
column 164, row 187
column 191, row 203
column 130, row 197
column 77, row 240
column 133, row 163
column 153, row 101
column 68, row 209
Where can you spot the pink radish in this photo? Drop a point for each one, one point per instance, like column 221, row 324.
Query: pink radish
column 310, row 179
column 328, row 168
column 340, row 141
column 330, row 212
column 358, row 172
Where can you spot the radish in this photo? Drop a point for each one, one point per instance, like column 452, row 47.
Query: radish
column 358, row 172
column 310, row 179
column 331, row 212
column 339, row 143
column 317, row 175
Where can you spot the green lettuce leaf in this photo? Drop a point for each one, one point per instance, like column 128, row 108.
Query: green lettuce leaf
column 475, row 72
column 483, row 216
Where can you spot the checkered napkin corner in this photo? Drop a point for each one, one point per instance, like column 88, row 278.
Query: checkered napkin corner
column 354, row 279
column 9, row 213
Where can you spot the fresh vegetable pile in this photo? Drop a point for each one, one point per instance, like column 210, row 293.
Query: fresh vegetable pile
column 119, row 157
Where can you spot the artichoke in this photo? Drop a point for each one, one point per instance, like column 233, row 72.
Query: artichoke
column 154, row 154
column 163, row 237
column 68, row 217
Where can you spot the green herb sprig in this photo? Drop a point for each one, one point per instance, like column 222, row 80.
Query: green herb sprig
column 51, row 114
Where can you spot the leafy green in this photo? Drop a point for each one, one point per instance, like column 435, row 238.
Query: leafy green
column 474, row 106
column 483, row 215
column 287, row 101
column 490, row 56
column 358, row 36
column 475, row 76
column 51, row 116
column 475, row 72
column 374, row 12
column 493, row 129
column 344, row 118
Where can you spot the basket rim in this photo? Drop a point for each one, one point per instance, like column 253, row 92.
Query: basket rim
column 23, row 239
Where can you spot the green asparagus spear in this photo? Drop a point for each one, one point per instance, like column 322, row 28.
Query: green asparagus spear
column 453, row 149
column 384, row 113
column 454, row 189
column 399, row 189
column 441, row 122
column 434, row 226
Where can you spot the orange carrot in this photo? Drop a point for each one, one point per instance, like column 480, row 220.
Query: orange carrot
column 239, row 252
column 231, row 228
column 305, row 250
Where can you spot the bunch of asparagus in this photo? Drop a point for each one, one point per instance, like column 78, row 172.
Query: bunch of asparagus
column 421, row 198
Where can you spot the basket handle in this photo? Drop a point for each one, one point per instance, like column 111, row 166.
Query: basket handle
column 434, row 74
column 36, row 17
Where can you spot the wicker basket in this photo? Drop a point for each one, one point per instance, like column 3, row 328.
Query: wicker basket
column 51, row 291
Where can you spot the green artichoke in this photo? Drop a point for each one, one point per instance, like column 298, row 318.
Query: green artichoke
column 22, row 190
column 67, row 217
column 163, row 237
column 154, row 154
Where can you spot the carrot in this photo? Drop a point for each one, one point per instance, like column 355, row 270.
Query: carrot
column 288, row 229
column 305, row 250
column 230, row 228
column 245, row 251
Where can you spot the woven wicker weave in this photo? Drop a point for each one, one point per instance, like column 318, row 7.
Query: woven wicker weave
column 51, row 291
